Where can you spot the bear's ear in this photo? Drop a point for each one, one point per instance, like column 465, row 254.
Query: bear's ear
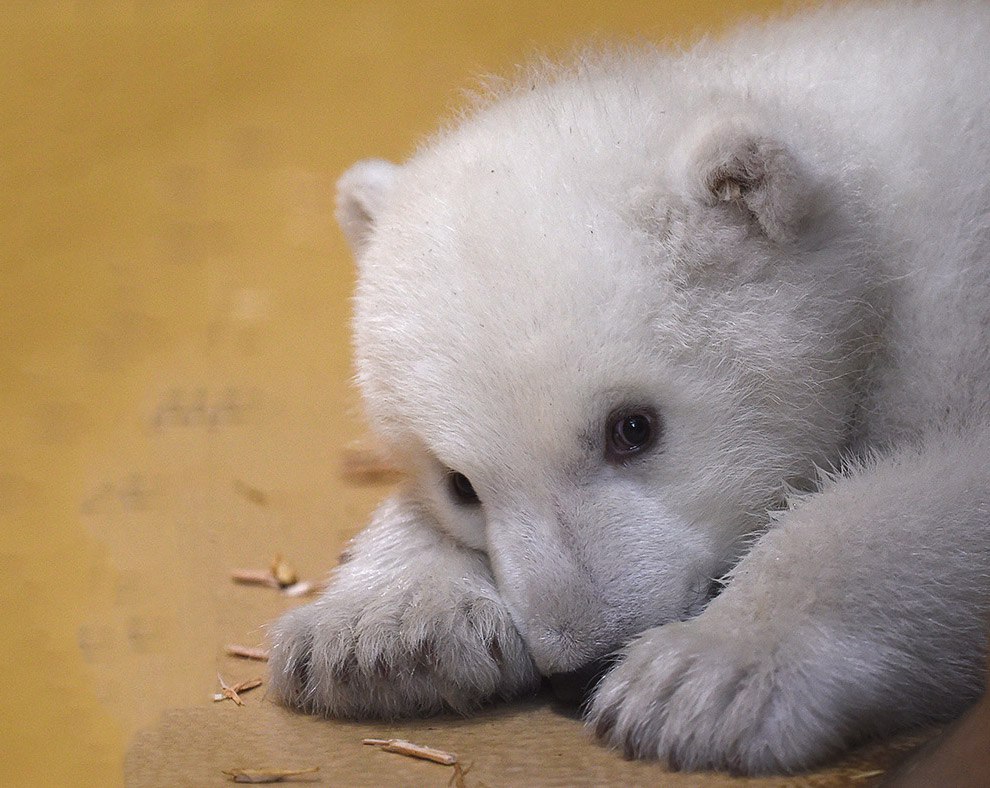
column 733, row 163
column 362, row 192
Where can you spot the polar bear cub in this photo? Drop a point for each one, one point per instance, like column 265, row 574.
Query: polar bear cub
column 688, row 360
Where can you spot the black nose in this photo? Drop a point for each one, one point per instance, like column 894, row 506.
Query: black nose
column 575, row 686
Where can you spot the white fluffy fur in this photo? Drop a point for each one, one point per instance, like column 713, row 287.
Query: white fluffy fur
column 780, row 243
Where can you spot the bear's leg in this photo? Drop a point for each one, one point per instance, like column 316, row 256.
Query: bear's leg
column 410, row 624
column 861, row 611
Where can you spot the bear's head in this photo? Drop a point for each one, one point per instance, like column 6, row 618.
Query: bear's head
column 604, row 340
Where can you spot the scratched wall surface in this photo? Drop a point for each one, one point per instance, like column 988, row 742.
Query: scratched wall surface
column 174, row 370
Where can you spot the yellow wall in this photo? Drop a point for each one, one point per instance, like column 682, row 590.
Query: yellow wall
column 173, row 318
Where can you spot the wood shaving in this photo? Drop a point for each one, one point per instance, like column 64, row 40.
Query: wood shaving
column 283, row 573
column 866, row 775
column 366, row 466
column 457, row 778
column 255, row 577
column 402, row 747
column 245, row 652
column 232, row 691
column 280, row 575
column 267, row 775
column 304, row 588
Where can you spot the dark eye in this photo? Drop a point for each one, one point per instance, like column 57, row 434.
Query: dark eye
column 630, row 432
column 461, row 489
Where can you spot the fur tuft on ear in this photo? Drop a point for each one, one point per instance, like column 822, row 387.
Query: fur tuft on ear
column 362, row 191
column 735, row 164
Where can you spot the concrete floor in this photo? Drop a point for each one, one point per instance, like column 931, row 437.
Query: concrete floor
column 174, row 383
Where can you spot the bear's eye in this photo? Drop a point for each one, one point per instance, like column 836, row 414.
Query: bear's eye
column 630, row 432
column 461, row 489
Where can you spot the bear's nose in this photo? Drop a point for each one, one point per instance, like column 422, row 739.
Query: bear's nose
column 574, row 686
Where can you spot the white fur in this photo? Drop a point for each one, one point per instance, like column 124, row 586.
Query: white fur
column 780, row 243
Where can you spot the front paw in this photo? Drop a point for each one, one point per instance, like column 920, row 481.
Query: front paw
column 704, row 694
column 400, row 653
